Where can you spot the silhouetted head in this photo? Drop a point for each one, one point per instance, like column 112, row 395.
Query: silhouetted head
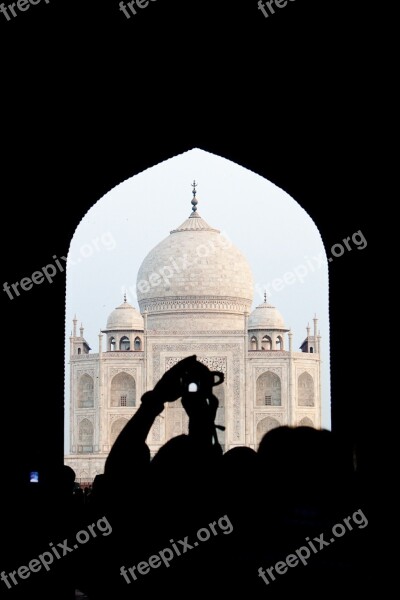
column 63, row 480
column 239, row 472
column 274, row 442
column 181, row 452
column 239, row 462
column 304, row 460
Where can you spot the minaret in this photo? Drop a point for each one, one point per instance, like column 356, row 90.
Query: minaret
column 75, row 321
column 78, row 343
column 247, row 409
column 316, row 349
column 100, row 344
column 100, row 401
column 147, row 382
column 291, row 400
column 73, row 338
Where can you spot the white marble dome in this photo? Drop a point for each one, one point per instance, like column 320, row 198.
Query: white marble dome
column 125, row 317
column 266, row 316
column 195, row 268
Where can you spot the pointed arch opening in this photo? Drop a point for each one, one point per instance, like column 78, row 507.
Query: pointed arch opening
column 266, row 343
column 269, row 390
column 85, row 436
column 124, row 343
column 306, row 422
column 123, row 390
column 95, row 280
column 306, row 392
column 85, row 391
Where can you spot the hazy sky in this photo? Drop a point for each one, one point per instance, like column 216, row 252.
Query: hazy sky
column 276, row 235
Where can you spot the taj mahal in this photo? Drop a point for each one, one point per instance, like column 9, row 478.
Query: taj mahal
column 195, row 294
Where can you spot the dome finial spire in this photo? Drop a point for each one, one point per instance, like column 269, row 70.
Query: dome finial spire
column 125, row 297
column 265, row 297
column 194, row 200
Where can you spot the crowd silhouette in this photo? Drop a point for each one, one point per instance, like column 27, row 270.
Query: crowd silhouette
column 254, row 509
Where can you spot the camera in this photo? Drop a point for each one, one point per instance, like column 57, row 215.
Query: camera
column 190, row 383
column 198, row 378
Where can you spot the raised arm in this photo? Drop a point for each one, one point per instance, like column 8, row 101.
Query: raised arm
column 130, row 449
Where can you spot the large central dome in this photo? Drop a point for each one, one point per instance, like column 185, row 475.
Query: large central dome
column 195, row 268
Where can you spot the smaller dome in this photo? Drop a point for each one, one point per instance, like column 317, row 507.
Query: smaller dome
column 125, row 317
column 266, row 316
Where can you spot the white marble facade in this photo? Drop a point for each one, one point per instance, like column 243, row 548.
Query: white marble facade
column 195, row 292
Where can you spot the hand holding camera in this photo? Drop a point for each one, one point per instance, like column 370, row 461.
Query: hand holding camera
column 169, row 387
column 193, row 382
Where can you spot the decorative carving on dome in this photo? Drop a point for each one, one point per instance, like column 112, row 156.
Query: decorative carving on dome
column 211, row 332
column 192, row 303
column 188, row 316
